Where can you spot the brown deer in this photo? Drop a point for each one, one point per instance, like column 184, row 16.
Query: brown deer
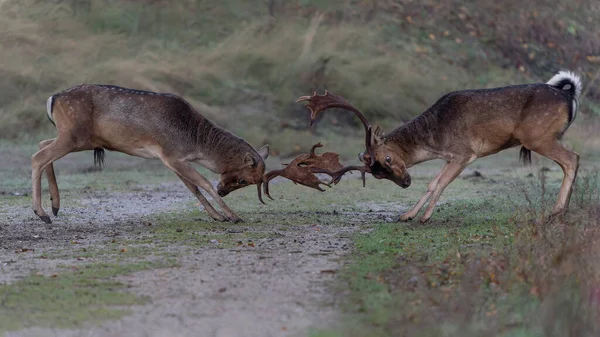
column 148, row 125
column 465, row 125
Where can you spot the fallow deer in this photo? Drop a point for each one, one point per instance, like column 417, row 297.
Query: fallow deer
column 148, row 125
column 465, row 125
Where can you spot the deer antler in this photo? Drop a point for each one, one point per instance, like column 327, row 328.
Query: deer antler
column 318, row 103
column 300, row 170
column 337, row 175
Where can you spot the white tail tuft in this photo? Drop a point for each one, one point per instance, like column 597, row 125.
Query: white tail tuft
column 571, row 77
column 49, row 108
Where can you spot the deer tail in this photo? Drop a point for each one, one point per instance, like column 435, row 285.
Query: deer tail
column 49, row 106
column 570, row 83
column 99, row 157
column 525, row 155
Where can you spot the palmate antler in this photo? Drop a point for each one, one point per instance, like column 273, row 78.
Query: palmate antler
column 318, row 103
column 303, row 168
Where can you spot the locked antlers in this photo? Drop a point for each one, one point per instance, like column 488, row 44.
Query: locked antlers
column 303, row 168
column 318, row 103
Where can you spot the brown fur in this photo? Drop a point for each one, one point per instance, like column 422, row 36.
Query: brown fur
column 148, row 125
column 465, row 125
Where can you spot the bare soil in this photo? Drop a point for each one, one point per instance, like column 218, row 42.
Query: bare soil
column 277, row 287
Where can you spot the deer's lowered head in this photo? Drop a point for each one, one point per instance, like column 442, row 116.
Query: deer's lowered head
column 382, row 160
column 244, row 170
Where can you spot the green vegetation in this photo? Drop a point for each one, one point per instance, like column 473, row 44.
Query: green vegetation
column 71, row 297
column 480, row 267
column 483, row 265
column 244, row 63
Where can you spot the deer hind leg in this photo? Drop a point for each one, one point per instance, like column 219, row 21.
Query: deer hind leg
column 410, row 214
column 568, row 162
column 52, row 185
column 53, row 150
column 185, row 170
column 207, row 206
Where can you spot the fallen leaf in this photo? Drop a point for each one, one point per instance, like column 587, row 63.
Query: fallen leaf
column 534, row 291
column 593, row 58
column 328, row 271
column 124, row 250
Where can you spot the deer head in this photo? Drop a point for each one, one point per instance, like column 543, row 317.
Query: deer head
column 383, row 161
column 250, row 172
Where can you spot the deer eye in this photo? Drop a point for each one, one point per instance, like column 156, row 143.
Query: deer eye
column 388, row 159
column 241, row 182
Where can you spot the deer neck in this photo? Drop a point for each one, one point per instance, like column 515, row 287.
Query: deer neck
column 416, row 140
column 220, row 150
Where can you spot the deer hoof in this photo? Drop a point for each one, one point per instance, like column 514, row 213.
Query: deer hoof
column 236, row 220
column 404, row 217
column 55, row 211
column 424, row 219
column 46, row 219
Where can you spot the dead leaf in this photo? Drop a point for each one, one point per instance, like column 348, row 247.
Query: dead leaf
column 534, row 291
column 593, row 58
column 124, row 250
column 328, row 271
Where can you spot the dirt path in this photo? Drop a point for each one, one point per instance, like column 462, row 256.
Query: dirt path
column 278, row 287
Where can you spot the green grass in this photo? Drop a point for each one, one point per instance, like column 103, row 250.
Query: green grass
column 71, row 297
column 480, row 266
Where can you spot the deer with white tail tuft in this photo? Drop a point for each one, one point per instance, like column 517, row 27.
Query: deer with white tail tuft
column 148, row 125
column 465, row 125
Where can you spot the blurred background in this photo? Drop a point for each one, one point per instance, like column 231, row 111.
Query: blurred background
column 243, row 63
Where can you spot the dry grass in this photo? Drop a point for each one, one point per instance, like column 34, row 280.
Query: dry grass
column 546, row 282
column 243, row 65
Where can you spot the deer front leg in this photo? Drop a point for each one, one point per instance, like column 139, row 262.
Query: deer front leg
column 449, row 174
column 207, row 206
column 51, row 152
column 185, row 170
column 52, row 185
column 412, row 213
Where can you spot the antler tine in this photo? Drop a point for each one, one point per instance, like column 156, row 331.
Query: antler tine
column 307, row 98
column 318, row 103
column 313, row 148
column 267, row 178
column 258, row 187
column 338, row 174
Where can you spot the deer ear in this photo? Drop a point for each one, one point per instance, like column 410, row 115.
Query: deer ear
column 264, row 151
column 377, row 137
column 249, row 160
